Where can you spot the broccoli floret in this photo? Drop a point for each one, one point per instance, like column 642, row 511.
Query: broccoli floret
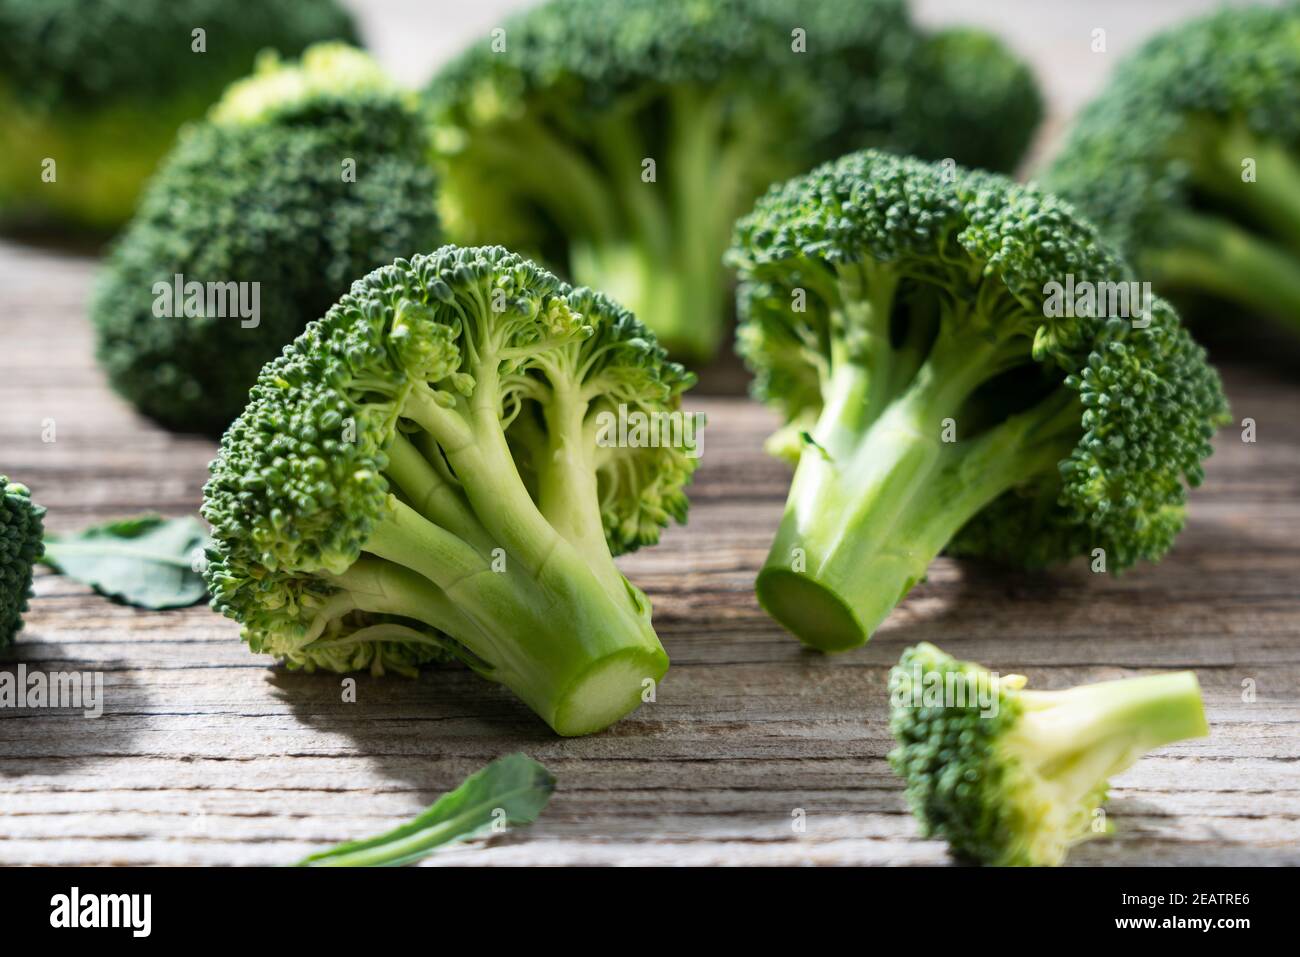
column 21, row 530
column 1014, row 777
column 101, row 86
column 304, row 177
column 1190, row 160
column 895, row 312
column 542, row 133
column 422, row 474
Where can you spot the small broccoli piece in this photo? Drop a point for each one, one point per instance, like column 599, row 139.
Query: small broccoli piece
column 895, row 313
column 543, row 145
column 101, row 86
column 1014, row 777
column 1190, row 160
column 304, row 177
column 21, row 530
column 421, row 475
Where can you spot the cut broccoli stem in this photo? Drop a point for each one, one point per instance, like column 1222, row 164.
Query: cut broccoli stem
column 1081, row 737
column 579, row 658
column 871, row 506
column 1205, row 252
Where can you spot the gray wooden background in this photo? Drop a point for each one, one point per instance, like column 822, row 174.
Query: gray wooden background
column 208, row 755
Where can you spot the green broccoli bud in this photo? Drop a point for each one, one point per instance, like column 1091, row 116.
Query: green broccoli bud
column 1009, row 776
column 101, row 86
column 895, row 313
column 419, row 477
column 305, row 176
column 1190, row 161
column 620, row 139
column 21, row 531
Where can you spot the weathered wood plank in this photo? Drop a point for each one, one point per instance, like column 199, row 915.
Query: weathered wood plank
column 206, row 754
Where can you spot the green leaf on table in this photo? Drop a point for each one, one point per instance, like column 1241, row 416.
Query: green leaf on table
column 512, row 790
column 149, row 561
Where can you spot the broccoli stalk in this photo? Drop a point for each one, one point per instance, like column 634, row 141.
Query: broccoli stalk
column 1245, row 247
column 555, row 620
column 1079, row 737
column 665, row 260
column 420, row 477
column 878, row 494
column 654, row 245
column 894, row 311
column 1215, row 255
column 1011, row 776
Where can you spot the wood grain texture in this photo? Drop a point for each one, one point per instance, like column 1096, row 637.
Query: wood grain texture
column 206, row 754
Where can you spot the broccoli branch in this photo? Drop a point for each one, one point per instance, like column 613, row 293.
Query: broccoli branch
column 1080, row 737
column 1203, row 251
column 878, row 493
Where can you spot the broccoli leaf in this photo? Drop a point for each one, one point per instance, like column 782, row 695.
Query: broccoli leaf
column 515, row 786
column 147, row 561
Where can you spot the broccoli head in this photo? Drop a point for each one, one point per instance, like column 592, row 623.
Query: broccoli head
column 303, row 177
column 1190, row 160
column 620, row 139
column 1009, row 776
column 101, row 86
column 897, row 314
column 21, row 530
column 422, row 475
column 971, row 100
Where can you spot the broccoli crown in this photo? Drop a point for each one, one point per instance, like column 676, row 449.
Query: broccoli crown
column 1131, row 156
column 543, row 142
column 305, row 177
column 586, row 56
column 78, row 54
column 21, row 531
column 971, row 100
column 1014, row 777
column 441, row 418
column 921, row 275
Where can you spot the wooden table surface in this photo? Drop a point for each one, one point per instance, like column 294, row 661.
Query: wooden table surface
column 206, row 754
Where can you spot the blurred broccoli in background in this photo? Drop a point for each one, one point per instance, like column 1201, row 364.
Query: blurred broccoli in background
column 100, row 87
column 21, row 528
column 620, row 139
column 303, row 178
column 971, row 100
column 1190, row 160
